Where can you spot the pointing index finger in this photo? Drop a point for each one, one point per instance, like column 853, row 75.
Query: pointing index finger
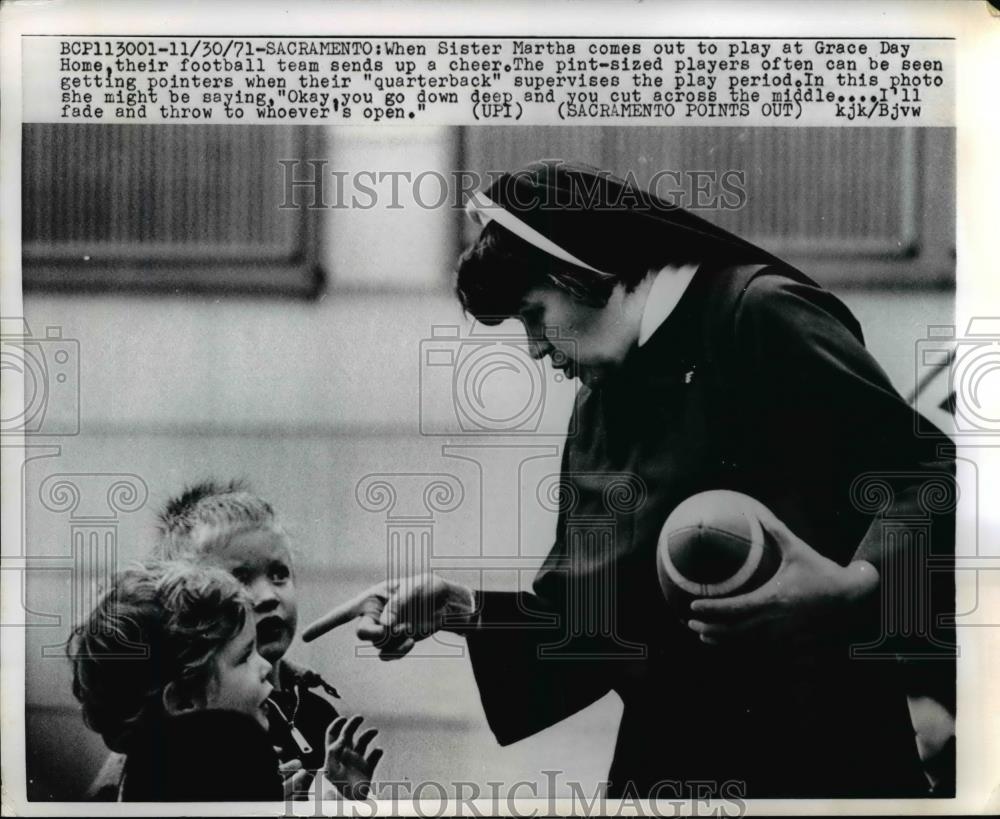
column 344, row 613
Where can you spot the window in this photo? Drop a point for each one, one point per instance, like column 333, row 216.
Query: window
column 166, row 208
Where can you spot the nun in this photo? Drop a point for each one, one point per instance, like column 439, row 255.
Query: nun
column 705, row 363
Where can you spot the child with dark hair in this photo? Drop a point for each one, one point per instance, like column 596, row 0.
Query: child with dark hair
column 226, row 526
column 167, row 671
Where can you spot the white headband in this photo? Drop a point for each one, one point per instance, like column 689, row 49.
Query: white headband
column 482, row 210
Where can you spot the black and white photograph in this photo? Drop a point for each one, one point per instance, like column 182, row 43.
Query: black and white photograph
column 367, row 457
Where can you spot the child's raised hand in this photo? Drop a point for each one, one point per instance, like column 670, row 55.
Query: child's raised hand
column 347, row 765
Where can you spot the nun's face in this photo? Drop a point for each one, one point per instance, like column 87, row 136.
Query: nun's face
column 582, row 341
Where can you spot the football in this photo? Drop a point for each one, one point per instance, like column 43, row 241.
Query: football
column 713, row 545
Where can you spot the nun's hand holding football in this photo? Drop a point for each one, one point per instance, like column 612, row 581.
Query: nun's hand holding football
column 808, row 597
column 395, row 615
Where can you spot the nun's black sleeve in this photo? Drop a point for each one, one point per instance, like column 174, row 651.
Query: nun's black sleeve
column 526, row 680
column 829, row 427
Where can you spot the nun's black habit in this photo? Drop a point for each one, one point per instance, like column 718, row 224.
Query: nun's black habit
column 759, row 382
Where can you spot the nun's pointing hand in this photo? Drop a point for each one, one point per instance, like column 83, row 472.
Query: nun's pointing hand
column 394, row 615
column 809, row 598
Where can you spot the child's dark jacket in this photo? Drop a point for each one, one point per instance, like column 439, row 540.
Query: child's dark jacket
column 203, row 756
column 302, row 717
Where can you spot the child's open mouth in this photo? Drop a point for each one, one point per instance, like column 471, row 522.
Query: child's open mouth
column 270, row 630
